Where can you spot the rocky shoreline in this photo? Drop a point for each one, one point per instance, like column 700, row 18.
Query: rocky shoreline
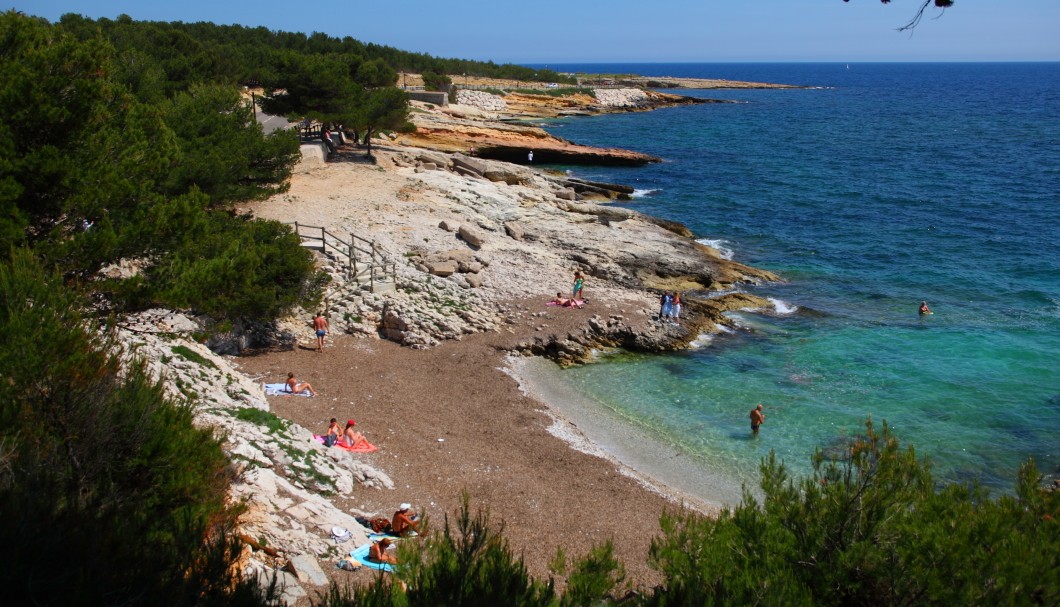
column 479, row 246
column 500, row 126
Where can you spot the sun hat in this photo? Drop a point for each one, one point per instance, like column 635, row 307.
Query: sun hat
column 405, row 506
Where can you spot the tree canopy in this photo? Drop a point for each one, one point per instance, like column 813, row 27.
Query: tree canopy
column 93, row 136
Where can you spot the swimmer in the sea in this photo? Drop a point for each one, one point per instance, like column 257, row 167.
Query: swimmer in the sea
column 924, row 309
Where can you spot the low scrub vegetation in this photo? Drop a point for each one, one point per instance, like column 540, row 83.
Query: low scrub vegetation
column 870, row 528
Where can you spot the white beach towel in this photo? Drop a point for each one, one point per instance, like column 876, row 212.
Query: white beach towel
column 282, row 390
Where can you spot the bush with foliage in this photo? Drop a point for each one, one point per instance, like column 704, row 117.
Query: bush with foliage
column 436, row 82
column 470, row 563
column 108, row 493
column 155, row 178
column 870, row 529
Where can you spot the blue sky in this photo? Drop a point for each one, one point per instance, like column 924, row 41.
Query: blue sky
column 557, row 31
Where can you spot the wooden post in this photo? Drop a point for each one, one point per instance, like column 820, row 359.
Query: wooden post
column 353, row 253
column 296, row 232
column 323, row 242
column 373, row 250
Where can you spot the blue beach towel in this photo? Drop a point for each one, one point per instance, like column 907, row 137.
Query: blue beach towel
column 281, row 390
column 361, row 554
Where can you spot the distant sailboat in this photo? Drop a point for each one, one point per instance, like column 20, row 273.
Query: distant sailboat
column 848, row 66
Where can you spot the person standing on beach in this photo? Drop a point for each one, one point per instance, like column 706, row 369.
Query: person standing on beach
column 530, row 156
column 675, row 313
column 579, row 286
column 757, row 419
column 320, row 324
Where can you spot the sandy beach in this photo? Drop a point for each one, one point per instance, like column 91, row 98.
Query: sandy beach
column 424, row 368
column 449, row 419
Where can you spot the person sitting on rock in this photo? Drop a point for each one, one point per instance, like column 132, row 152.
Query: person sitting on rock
column 378, row 552
column 351, row 437
column 405, row 521
column 296, row 387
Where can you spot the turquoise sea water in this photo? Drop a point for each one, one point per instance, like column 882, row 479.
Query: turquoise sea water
column 880, row 186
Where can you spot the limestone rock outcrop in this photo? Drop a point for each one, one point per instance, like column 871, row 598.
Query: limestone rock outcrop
column 282, row 472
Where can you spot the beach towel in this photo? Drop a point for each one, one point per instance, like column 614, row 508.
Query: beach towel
column 362, row 447
column 361, row 554
column 281, row 390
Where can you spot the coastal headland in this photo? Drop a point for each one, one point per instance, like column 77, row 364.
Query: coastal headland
column 498, row 118
column 480, row 247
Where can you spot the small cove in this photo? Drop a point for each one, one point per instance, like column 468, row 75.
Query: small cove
column 881, row 186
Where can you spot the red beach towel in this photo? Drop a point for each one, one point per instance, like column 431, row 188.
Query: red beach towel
column 362, row 447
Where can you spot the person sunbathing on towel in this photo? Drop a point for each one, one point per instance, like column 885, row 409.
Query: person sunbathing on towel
column 293, row 385
column 560, row 300
column 350, row 437
column 405, row 521
column 378, row 553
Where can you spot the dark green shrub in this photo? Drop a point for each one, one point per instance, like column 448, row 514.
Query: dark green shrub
column 436, row 82
column 108, row 493
column 262, row 418
column 597, row 576
column 469, row 565
column 188, row 354
column 868, row 530
column 221, row 265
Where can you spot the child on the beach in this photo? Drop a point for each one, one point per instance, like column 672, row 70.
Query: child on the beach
column 333, row 433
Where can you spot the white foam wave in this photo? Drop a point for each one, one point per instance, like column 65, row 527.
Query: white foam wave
column 782, row 307
column 723, row 292
column 701, row 341
column 642, row 193
column 719, row 245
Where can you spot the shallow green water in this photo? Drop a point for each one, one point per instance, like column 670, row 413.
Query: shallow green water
column 886, row 185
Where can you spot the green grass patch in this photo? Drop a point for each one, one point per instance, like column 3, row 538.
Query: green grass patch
column 262, row 418
column 188, row 354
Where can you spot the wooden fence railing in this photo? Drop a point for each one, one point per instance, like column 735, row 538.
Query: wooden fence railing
column 360, row 253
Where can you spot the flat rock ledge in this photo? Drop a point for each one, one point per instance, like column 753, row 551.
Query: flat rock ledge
column 700, row 316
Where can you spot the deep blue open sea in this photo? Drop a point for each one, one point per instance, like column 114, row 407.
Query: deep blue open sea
column 880, row 186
